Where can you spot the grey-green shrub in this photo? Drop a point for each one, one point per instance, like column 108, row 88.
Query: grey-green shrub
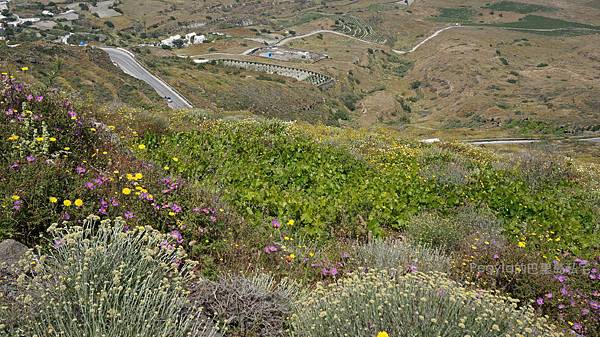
column 256, row 305
column 100, row 280
column 448, row 231
column 399, row 255
column 415, row 305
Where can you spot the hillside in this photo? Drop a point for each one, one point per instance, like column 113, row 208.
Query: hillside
column 362, row 168
column 242, row 192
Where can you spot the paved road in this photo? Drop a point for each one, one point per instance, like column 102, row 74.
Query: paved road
column 130, row 66
column 528, row 141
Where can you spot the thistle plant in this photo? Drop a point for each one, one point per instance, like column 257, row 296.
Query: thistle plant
column 101, row 279
column 416, row 305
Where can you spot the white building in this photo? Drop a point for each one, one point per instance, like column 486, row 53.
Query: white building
column 188, row 39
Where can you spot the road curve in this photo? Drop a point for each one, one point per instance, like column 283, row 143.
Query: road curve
column 126, row 61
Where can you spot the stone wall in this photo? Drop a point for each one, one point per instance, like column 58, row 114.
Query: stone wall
column 314, row 78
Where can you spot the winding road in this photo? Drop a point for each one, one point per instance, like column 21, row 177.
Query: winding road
column 127, row 62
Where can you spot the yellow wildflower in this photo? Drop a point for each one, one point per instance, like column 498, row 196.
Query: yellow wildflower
column 142, row 147
column 67, row 203
column 521, row 244
column 53, row 200
column 24, row 68
column 15, row 197
column 13, row 138
column 78, row 202
column 52, row 139
column 290, row 222
column 138, row 176
column 126, row 191
column 382, row 334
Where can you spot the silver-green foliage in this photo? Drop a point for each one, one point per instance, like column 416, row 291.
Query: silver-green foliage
column 414, row 304
column 100, row 280
column 400, row 256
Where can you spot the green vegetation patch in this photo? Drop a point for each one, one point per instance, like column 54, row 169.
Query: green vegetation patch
column 519, row 7
column 348, row 182
column 460, row 14
column 542, row 22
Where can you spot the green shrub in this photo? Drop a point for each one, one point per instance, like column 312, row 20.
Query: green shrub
column 247, row 306
column 101, row 279
column 448, row 232
column 416, row 305
column 400, row 256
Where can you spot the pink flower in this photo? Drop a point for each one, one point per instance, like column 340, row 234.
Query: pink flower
column 177, row 236
column 539, row 301
column 275, row 223
column 270, row 249
column 128, row 215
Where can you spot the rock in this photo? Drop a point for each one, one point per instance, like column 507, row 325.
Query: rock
column 11, row 251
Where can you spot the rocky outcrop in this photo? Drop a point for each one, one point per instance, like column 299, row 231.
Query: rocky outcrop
column 11, row 252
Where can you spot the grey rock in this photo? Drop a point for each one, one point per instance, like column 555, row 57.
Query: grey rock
column 11, row 251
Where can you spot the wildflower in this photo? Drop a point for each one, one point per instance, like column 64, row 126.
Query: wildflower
column 412, row 268
column 15, row 197
column 275, row 223
column 59, row 243
column 67, row 203
column 128, row 215
column 382, row 334
column 72, row 114
column 141, row 147
column 17, row 204
column 126, row 191
column 13, row 138
column 78, row 202
column 177, row 236
column 539, row 301
column 52, row 139
column 80, row 170
column 270, row 249
column 24, row 68
column 521, row 244
column 138, row 176
column 290, row 222
column 90, row 185
column 30, row 159
column 53, row 200
column 39, row 139
column 39, row 98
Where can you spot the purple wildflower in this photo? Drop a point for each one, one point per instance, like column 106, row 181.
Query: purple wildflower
column 17, row 204
column 80, row 170
column 59, row 243
column 270, row 249
column 560, row 278
column 539, row 301
column 177, row 236
column 412, row 268
column 30, row 159
column 275, row 223
column 128, row 215
column 90, row 185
